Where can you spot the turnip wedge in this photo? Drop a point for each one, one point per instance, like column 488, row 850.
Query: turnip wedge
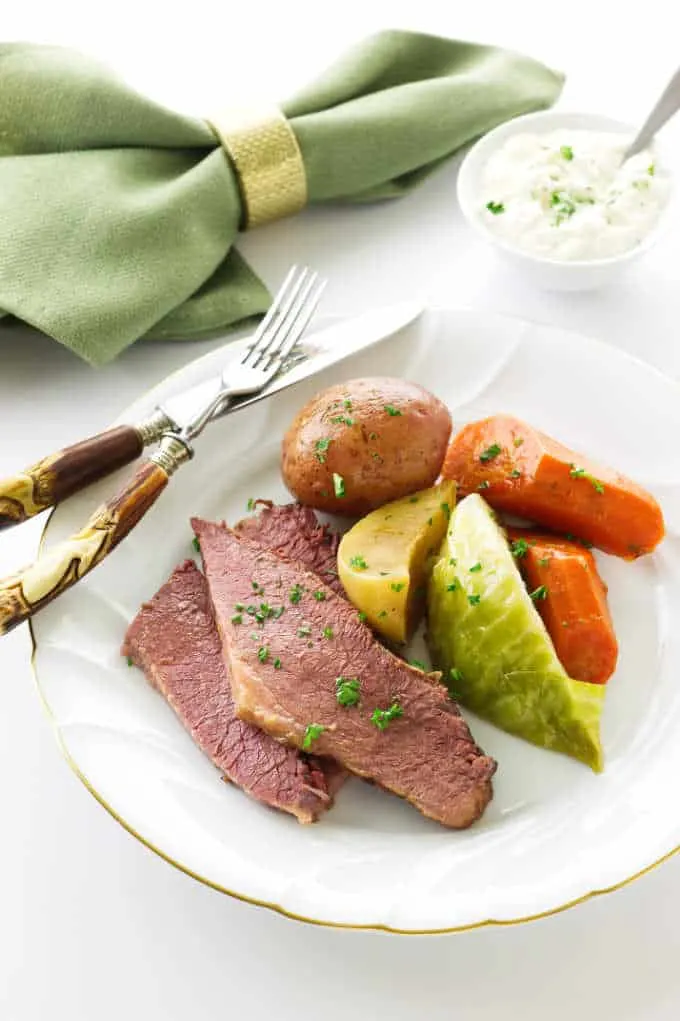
column 491, row 645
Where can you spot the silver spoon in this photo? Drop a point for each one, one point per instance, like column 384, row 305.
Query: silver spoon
column 667, row 104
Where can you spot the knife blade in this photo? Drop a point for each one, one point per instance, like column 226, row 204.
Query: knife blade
column 319, row 351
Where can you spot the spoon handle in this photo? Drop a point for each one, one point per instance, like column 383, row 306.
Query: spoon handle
column 667, row 104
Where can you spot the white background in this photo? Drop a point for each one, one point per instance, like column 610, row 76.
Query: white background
column 92, row 925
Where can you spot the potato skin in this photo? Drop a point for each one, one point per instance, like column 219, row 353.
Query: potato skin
column 381, row 454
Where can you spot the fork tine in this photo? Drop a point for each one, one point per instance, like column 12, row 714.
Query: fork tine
column 273, row 309
column 298, row 324
column 280, row 310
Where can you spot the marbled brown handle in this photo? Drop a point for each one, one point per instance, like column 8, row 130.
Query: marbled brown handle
column 61, row 474
column 60, row 566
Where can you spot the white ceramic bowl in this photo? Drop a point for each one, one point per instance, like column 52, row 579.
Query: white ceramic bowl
column 549, row 273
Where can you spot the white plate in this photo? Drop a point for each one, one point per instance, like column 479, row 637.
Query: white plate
column 555, row 832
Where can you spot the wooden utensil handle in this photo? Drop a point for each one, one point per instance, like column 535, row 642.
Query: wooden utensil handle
column 61, row 566
column 71, row 469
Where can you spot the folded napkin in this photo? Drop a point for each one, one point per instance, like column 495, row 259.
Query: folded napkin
column 118, row 217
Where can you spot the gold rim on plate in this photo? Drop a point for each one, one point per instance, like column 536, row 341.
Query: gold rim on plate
column 365, row 927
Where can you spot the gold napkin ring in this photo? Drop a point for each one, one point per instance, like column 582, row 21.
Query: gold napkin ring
column 264, row 151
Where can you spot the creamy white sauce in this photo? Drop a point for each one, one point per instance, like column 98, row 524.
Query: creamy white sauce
column 566, row 194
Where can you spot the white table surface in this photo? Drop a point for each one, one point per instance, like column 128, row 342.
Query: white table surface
column 92, row 925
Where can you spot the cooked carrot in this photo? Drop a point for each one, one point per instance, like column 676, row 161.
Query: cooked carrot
column 571, row 598
column 526, row 473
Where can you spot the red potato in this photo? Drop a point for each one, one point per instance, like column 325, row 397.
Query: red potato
column 572, row 600
column 527, row 474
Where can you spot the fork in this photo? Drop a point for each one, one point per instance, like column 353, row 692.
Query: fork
column 61, row 566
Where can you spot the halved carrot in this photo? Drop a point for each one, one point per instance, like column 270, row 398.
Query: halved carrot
column 520, row 470
column 571, row 598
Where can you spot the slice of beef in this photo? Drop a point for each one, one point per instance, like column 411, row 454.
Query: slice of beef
column 294, row 531
column 285, row 674
column 173, row 639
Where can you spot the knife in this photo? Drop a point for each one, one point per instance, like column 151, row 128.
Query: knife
column 59, row 475
column 183, row 417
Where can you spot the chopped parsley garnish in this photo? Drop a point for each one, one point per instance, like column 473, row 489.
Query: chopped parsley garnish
column 237, row 619
column 495, row 207
column 515, row 474
column 295, row 594
column 129, row 661
column 566, row 152
column 328, row 632
column 257, row 588
column 484, row 485
column 362, row 616
column 383, row 613
column 321, row 447
column 196, row 544
column 651, row 169
column 453, row 587
column 539, row 593
column 263, row 653
column 338, row 485
column 342, row 420
column 413, row 499
column 453, row 561
column 474, row 600
column 347, row 691
column 581, row 473
column 373, row 436
column 563, row 205
column 518, row 441
column 347, row 404
column 319, row 596
column 251, row 504
column 277, row 663
column 397, row 586
column 519, row 548
column 392, row 411
column 490, row 453
column 383, row 717
column 445, row 509
column 358, row 562
column 455, row 674
column 238, row 607
column 418, row 665
column 278, row 612
column 376, row 456
column 475, row 567
column 312, row 732
column 304, row 631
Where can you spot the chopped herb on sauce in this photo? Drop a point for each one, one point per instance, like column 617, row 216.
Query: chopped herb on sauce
column 237, row 619
column 328, row 632
column 295, row 594
column 383, row 717
column 358, row 562
column 566, row 152
column 342, row 420
column 484, row 485
column 445, row 509
column 453, row 587
column 196, row 544
column 304, row 631
column 518, row 441
column 453, row 561
column 263, row 653
column 277, row 663
column 418, row 664
column 319, row 596
column 474, row 600
column 539, row 593
column 413, row 499
column 251, row 504
column 338, row 485
column 455, row 674
column 362, row 616
column 495, row 207
column 392, row 411
column 347, row 403
column 383, row 613
column 515, row 474
column 312, row 732
column 129, row 661
column 397, row 586
column 475, row 567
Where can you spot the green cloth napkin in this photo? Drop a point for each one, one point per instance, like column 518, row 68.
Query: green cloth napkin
column 118, row 217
